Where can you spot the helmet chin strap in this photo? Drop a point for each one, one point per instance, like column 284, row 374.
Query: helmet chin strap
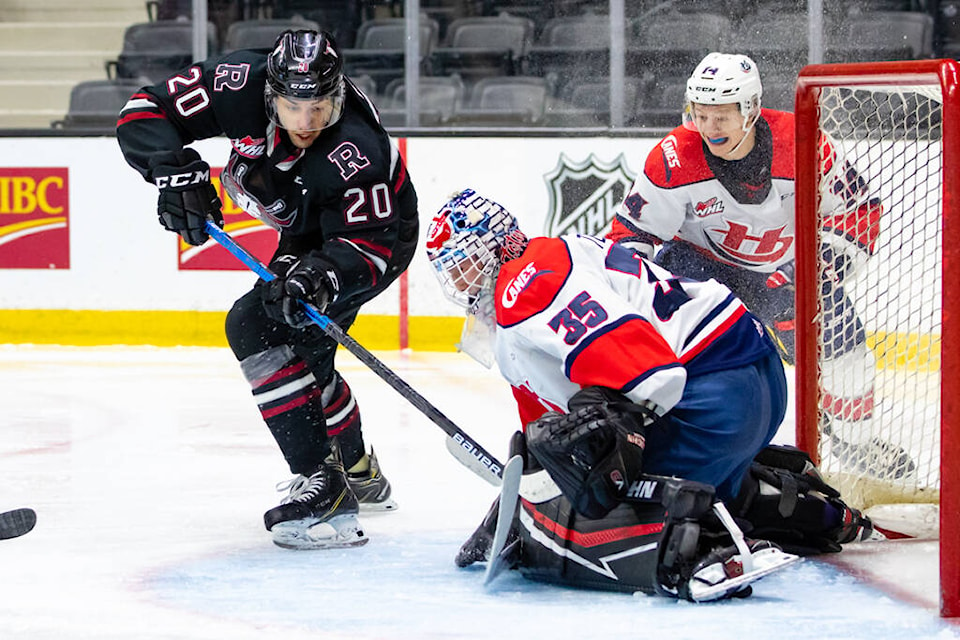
column 747, row 129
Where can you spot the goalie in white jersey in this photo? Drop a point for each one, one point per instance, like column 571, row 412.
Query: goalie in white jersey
column 618, row 366
column 718, row 194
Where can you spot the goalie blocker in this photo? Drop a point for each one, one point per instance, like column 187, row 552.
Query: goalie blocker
column 588, row 517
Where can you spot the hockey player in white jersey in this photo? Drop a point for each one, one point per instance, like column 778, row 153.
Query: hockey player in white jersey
column 716, row 200
column 620, row 367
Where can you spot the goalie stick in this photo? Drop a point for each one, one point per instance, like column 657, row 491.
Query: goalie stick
column 509, row 496
column 459, row 444
column 15, row 523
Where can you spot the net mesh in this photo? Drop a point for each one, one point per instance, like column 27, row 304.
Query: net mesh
column 879, row 318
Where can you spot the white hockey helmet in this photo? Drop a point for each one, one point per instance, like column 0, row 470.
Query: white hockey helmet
column 725, row 78
column 466, row 242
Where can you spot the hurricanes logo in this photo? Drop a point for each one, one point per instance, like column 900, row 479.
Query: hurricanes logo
column 671, row 159
column 584, row 195
column 519, row 283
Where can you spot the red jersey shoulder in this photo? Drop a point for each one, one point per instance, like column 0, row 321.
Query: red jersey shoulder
column 677, row 160
column 527, row 285
column 783, row 132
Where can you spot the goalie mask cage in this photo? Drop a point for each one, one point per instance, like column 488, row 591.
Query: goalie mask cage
column 898, row 124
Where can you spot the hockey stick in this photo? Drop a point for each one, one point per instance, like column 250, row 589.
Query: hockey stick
column 509, row 497
column 462, row 446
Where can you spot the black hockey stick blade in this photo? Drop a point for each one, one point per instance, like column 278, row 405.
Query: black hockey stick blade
column 462, row 446
column 14, row 524
column 500, row 552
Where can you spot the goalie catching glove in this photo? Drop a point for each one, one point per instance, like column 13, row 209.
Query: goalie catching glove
column 311, row 279
column 187, row 199
column 593, row 452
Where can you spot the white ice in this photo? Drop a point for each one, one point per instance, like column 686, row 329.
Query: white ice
column 150, row 469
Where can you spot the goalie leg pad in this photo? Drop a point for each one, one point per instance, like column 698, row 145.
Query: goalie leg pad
column 616, row 553
column 784, row 499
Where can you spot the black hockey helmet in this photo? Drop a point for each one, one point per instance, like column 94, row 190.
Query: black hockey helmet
column 305, row 65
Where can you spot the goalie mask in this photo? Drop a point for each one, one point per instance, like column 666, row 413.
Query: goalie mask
column 723, row 78
column 305, row 87
column 467, row 241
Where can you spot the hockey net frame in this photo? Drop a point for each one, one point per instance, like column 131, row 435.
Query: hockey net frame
column 814, row 85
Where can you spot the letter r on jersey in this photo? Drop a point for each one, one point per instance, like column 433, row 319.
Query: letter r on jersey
column 348, row 159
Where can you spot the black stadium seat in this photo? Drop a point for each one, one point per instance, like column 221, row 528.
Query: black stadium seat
column 96, row 104
column 154, row 50
column 261, row 34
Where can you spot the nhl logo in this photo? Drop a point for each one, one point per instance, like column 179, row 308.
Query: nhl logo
column 584, row 196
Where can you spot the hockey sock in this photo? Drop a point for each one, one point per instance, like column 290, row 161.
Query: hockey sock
column 289, row 400
column 343, row 422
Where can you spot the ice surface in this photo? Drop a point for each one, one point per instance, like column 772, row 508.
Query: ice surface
column 150, row 470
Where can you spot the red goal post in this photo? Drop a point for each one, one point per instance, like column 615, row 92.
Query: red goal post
column 900, row 119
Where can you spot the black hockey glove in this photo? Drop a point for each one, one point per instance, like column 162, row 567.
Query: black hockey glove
column 594, row 452
column 311, row 279
column 187, row 199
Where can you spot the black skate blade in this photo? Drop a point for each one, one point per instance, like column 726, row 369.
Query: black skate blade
column 17, row 522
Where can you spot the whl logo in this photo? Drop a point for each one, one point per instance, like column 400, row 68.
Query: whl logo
column 708, row 208
column 584, row 195
column 249, row 147
column 34, row 218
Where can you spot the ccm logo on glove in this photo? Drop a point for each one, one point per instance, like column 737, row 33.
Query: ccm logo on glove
column 186, row 179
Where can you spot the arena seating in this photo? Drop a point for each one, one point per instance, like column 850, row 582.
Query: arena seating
column 557, row 50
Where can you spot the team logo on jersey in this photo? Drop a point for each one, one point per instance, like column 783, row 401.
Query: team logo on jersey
column 740, row 245
column 249, row 147
column 671, row 159
column 584, row 195
column 519, row 283
column 708, row 208
column 348, row 159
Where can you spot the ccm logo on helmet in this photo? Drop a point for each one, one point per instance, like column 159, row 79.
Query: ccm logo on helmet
column 183, row 179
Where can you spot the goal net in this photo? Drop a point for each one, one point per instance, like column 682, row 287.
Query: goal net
column 877, row 157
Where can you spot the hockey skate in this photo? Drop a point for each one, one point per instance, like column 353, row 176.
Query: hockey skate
column 699, row 563
column 726, row 572
column 477, row 546
column 372, row 488
column 320, row 512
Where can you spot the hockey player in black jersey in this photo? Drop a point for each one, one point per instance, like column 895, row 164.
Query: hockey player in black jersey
column 310, row 159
